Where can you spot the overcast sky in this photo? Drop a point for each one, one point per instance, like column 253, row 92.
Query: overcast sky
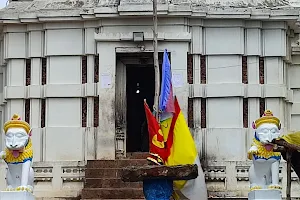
column 2, row 3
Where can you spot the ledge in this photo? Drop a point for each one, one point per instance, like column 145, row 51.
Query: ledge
column 49, row 90
column 162, row 36
column 240, row 90
column 63, row 90
column 15, row 92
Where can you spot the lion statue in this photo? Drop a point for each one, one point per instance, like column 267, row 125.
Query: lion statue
column 18, row 155
column 264, row 172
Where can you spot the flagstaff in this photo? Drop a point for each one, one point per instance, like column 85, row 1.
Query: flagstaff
column 156, row 64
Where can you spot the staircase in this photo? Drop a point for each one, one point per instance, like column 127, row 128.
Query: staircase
column 103, row 181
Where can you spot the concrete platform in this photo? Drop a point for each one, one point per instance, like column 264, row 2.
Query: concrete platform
column 265, row 195
column 16, row 195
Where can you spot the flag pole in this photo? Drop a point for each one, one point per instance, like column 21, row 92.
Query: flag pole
column 156, row 63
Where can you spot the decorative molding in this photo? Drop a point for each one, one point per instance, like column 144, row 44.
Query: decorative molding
column 162, row 36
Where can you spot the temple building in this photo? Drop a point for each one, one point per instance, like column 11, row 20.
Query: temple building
column 79, row 70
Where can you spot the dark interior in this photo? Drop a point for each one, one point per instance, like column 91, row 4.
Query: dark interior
column 138, row 78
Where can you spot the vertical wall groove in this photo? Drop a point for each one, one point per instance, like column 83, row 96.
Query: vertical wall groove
column 28, row 82
column 96, row 111
column 262, row 106
column 44, row 71
column 203, row 69
column 27, row 110
column 43, row 101
column 262, row 103
column 203, row 113
column 84, row 69
column 244, row 70
column 43, row 113
column 245, row 100
column 96, row 99
column 261, row 70
column 245, row 113
column 28, row 72
column 203, row 81
column 190, row 78
column 96, row 69
column 84, row 100
column 83, row 111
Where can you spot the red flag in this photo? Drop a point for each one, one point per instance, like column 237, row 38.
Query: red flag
column 156, row 138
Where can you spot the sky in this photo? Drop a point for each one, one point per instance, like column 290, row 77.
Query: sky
column 2, row 3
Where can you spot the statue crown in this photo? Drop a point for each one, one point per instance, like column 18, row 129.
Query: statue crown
column 267, row 117
column 16, row 122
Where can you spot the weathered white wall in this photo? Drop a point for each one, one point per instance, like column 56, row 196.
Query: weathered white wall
column 224, row 143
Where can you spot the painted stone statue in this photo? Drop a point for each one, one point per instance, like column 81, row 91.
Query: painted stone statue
column 264, row 172
column 18, row 155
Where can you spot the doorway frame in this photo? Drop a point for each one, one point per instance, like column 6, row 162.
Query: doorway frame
column 107, row 145
column 121, row 102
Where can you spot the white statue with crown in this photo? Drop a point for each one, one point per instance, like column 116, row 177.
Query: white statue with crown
column 264, row 171
column 18, row 156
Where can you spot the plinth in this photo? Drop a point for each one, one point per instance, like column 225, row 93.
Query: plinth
column 16, row 195
column 265, row 195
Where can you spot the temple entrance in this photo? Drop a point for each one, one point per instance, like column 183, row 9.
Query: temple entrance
column 140, row 85
column 135, row 81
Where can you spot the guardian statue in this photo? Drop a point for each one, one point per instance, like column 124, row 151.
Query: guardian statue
column 264, row 171
column 18, row 155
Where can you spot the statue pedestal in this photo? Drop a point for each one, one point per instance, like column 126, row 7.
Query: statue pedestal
column 16, row 195
column 265, row 195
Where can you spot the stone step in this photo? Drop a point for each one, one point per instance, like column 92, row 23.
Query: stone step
column 110, row 183
column 103, row 173
column 137, row 155
column 115, row 163
column 112, row 193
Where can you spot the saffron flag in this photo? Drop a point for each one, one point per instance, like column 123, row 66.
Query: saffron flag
column 183, row 151
column 156, row 138
column 166, row 103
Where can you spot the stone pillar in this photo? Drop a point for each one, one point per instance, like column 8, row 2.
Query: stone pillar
column 90, row 90
column 274, row 49
column 15, row 52
column 197, row 51
column 224, row 89
column 36, row 44
column 105, row 139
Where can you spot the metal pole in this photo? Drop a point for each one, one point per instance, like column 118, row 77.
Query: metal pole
column 156, row 63
column 289, row 175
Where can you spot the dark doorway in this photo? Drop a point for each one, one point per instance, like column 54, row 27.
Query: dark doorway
column 140, row 85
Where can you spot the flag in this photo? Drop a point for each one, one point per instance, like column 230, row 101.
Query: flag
column 156, row 138
column 293, row 138
column 183, row 151
column 166, row 103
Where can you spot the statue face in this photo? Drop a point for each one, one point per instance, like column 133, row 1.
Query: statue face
column 267, row 132
column 16, row 138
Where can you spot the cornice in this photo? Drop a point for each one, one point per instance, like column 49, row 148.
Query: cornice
column 65, row 10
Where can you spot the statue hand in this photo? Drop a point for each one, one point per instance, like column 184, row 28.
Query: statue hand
column 253, row 150
column 2, row 155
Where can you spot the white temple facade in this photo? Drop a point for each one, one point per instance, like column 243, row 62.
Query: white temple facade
column 64, row 68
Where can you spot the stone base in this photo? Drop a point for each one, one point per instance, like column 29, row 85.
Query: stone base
column 14, row 195
column 265, row 195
